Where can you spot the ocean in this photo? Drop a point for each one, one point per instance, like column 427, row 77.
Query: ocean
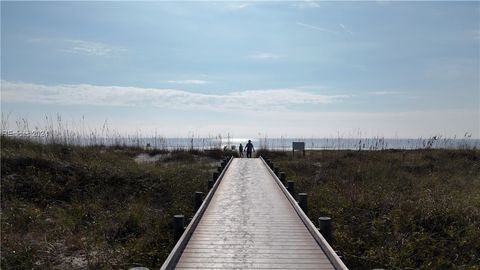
column 285, row 144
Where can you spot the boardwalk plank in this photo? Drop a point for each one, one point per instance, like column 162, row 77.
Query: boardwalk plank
column 250, row 224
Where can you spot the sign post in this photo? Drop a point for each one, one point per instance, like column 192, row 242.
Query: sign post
column 298, row 146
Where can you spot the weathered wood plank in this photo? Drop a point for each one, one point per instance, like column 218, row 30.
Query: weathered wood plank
column 250, row 224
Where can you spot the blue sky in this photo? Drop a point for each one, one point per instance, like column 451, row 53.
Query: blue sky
column 294, row 69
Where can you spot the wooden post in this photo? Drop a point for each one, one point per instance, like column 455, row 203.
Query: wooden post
column 291, row 187
column 215, row 176
column 325, row 226
column 210, row 184
column 276, row 171
column 198, row 200
column 302, row 202
column 178, row 226
column 283, row 177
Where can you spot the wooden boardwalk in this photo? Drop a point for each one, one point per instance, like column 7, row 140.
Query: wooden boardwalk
column 249, row 221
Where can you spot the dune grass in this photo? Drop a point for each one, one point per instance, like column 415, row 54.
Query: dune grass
column 417, row 209
column 69, row 207
column 95, row 207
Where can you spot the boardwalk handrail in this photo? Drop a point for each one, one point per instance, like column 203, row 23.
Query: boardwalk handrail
column 176, row 252
column 327, row 249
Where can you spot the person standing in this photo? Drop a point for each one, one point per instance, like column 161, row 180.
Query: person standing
column 240, row 150
column 249, row 147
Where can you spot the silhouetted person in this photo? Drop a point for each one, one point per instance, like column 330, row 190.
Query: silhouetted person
column 240, row 150
column 249, row 148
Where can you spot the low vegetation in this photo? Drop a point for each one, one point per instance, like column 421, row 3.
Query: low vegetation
column 67, row 207
column 417, row 209
column 96, row 207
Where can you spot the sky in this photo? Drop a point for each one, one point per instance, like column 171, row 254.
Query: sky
column 249, row 69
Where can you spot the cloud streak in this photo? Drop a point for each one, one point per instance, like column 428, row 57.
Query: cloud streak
column 86, row 94
column 306, row 4
column 264, row 56
column 237, row 5
column 188, row 81
column 81, row 47
column 346, row 29
column 316, row 28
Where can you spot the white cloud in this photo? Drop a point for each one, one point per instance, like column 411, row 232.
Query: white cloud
column 409, row 124
column 90, row 48
column 316, row 28
column 346, row 29
column 248, row 123
column 188, row 81
column 264, row 56
column 236, row 5
column 257, row 100
column 306, row 4
column 266, row 111
column 83, row 47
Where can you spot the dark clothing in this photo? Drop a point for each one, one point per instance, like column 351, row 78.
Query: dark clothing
column 240, row 150
column 249, row 148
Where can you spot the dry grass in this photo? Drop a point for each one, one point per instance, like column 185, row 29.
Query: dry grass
column 70, row 207
column 416, row 209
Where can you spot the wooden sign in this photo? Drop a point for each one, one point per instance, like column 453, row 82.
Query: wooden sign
column 298, row 146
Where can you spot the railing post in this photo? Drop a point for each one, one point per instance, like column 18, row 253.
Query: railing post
column 291, row 187
column 178, row 226
column 219, row 169
column 215, row 176
column 325, row 227
column 271, row 165
column 282, row 177
column 210, row 184
column 302, row 202
column 276, row 171
column 198, row 199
